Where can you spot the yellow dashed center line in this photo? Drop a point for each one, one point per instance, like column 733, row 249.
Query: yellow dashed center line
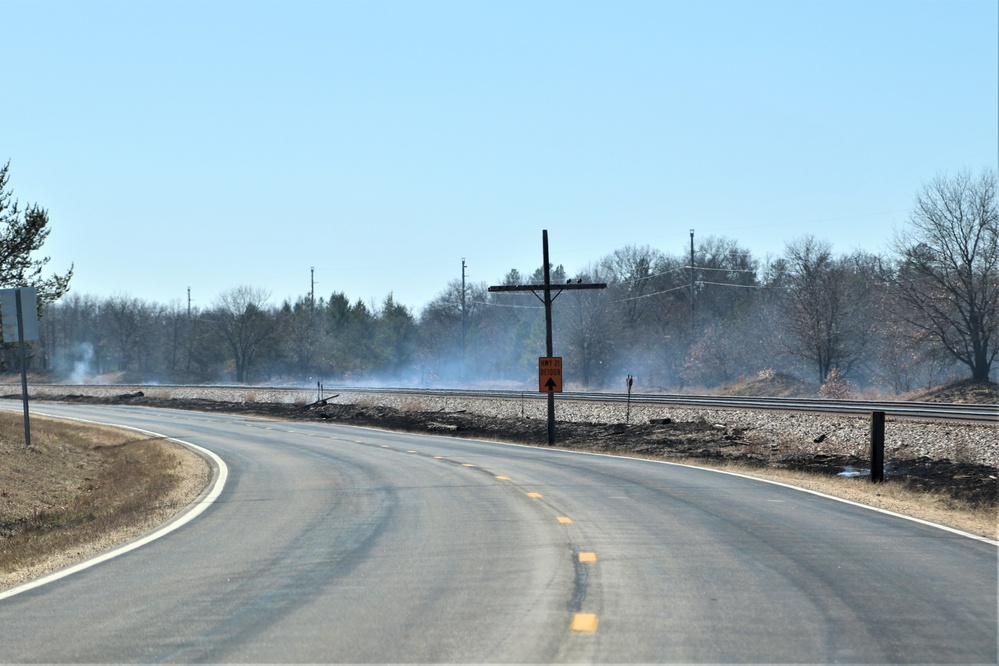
column 438, row 457
column 503, row 478
column 534, row 495
column 467, row 465
column 410, row 451
column 563, row 519
column 587, row 557
column 585, row 623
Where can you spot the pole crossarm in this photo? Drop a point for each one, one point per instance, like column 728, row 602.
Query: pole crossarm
column 541, row 287
column 535, row 288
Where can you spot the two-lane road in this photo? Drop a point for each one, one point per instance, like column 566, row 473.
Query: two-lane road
column 333, row 544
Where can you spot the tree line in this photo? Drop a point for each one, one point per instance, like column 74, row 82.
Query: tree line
column 922, row 312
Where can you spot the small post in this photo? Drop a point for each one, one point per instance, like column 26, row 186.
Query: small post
column 877, row 447
column 24, row 366
column 627, row 414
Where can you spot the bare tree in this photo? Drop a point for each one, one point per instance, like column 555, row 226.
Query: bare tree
column 630, row 273
column 302, row 342
column 821, row 306
column 586, row 332
column 948, row 272
column 246, row 328
column 126, row 326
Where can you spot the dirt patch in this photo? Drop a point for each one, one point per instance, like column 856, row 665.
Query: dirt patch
column 772, row 384
column 968, row 391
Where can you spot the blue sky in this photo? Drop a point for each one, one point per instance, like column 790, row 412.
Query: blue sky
column 216, row 144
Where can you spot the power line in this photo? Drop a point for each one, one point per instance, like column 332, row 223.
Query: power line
column 726, row 284
column 506, row 305
column 724, row 270
column 696, row 283
column 655, row 293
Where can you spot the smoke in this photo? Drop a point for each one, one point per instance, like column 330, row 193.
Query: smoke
column 77, row 365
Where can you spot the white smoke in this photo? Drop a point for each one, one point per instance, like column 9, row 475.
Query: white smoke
column 82, row 360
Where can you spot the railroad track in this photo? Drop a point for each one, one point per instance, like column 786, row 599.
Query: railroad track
column 896, row 409
column 969, row 413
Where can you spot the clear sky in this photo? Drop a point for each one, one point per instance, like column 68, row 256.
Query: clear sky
column 215, row 144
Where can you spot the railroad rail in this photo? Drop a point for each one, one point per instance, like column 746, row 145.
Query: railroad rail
column 895, row 409
column 969, row 413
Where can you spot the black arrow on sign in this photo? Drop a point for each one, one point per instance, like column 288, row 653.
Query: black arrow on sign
column 550, row 385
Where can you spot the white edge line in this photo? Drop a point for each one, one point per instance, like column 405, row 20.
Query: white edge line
column 192, row 512
column 946, row 528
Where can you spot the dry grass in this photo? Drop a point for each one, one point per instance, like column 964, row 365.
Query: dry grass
column 80, row 485
column 892, row 495
column 411, row 405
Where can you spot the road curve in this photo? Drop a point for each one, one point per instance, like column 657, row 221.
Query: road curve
column 334, row 544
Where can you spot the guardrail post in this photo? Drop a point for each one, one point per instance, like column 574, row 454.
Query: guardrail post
column 877, row 447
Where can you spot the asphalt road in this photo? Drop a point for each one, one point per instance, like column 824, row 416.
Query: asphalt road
column 333, row 544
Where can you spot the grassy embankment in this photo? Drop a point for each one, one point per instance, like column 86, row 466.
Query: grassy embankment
column 81, row 489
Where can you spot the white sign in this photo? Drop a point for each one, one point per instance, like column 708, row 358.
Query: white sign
column 29, row 313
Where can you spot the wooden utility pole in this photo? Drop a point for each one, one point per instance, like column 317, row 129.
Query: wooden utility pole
column 691, row 286
column 551, row 387
column 464, row 320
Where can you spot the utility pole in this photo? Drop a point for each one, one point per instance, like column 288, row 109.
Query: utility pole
column 546, row 290
column 312, row 287
column 691, row 286
column 190, row 333
column 464, row 319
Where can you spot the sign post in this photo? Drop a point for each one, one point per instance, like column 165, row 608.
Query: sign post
column 19, row 317
column 546, row 290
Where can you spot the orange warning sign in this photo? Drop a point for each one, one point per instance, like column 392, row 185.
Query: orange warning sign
column 550, row 374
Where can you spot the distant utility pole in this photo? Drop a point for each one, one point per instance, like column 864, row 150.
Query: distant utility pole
column 464, row 319
column 691, row 285
column 189, row 303
column 551, row 387
column 312, row 287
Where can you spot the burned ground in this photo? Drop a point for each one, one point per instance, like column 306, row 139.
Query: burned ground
column 691, row 442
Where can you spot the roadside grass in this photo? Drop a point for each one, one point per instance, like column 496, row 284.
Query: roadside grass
column 80, row 485
column 891, row 495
